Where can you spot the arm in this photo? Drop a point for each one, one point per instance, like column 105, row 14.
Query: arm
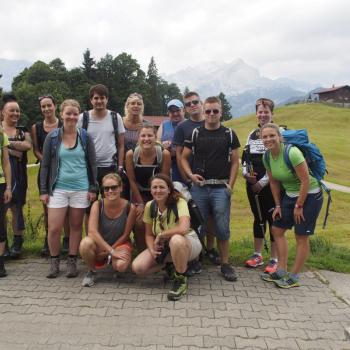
column 129, row 164
column 91, row 158
column 36, row 151
column 121, row 150
column 234, row 167
column 130, row 222
column 159, row 133
column 24, row 145
column 178, row 162
column 302, row 172
column 45, row 171
column 6, row 167
column 185, row 156
column 166, row 163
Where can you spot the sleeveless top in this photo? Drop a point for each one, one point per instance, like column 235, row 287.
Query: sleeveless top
column 41, row 133
column 144, row 172
column 112, row 229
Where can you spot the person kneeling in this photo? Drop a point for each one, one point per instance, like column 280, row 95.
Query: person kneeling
column 110, row 223
column 167, row 222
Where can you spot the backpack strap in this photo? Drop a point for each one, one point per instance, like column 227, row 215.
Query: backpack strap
column 136, row 155
column 114, row 117
column 287, row 147
column 159, row 155
column 86, row 118
column 194, row 139
column 82, row 134
column 229, row 134
column 266, row 158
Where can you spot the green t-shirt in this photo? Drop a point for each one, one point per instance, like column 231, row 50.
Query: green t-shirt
column 5, row 143
column 182, row 209
column 280, row 171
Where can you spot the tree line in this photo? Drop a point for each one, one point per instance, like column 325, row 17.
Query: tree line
column 121, row 74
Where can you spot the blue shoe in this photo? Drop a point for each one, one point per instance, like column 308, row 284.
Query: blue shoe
column 287, row 281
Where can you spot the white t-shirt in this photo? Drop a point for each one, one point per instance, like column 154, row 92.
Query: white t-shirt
column 102, row 133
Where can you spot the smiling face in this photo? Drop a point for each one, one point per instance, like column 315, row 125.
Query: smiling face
column 159, row 190
column 147, row 137
column 176, row 114
column 48, row 108
column 99, row 102
column 70, row 116
column 271, row 138
column 11, row 112
column 263, row 114
column 135, row 106
column 111, row 188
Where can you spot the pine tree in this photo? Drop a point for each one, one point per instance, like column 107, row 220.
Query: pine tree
column 89, row 65
column 226, row 107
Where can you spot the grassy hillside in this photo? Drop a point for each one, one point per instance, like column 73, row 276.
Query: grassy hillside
column 328, row 128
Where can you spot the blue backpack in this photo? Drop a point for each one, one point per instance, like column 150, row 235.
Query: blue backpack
column 312, row 155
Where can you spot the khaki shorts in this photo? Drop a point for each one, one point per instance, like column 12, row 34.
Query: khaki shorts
column 196, row 245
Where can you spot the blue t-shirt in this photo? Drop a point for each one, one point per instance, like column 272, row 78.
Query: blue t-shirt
column 72, row 171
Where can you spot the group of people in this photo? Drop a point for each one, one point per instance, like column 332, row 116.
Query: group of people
column 121, row 176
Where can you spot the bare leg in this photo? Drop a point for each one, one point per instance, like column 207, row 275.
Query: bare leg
column 224, row 251
column 87, row 250
column 144, row 264
column 281, row 245
column 180, row 249
column 303, row 249
column 139, row 235
column 76, row 217
column 56, row 219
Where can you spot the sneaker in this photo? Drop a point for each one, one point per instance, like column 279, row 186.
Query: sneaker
column 228, row 272
column 287, row 281
column 194, row 267
column 65, row 245
column 179, row 287
column 213, row 256
column 54, row 268
column 6, row 253
column 271, row 266
column 89, row 279
column 254, row 261
column 272, row 277
column 72, row 270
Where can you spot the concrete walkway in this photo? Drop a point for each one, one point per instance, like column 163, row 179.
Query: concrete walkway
column 126, row 312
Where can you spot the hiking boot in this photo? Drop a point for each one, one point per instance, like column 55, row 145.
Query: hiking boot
column 169, row 270
column 45, row 249
column 89, row 279
column 228, row 272
column 193, row 267
column 213, row 257
column 65, row 245
column 271, row 266
column 287, row 281
column 6, row 253
column 72, row 270
column 179, row 287
column 54, row 268
column 16, row 249
column 3, row 272
column 254, row 261
column 272, row 277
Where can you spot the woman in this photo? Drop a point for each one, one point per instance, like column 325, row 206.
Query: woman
column 5, row 195
column 20, row 143
column 67, row 183
column 164, row 227
column 258, row 188
column 142, row 163
column 110, row 223
column 299, row 206
column 39, row 133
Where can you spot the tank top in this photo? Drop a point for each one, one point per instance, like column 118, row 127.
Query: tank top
column 144, row 172
column 112, row 229
column 41, row 133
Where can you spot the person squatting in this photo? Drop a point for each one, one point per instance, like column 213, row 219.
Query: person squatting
column 162, row 197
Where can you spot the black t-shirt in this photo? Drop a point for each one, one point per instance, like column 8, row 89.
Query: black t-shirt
column 211, row 156
column 184, row 131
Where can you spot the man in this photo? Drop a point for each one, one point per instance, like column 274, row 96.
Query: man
column 214, row 149
column 107, row 131
column 194, row 108
column 165, row 134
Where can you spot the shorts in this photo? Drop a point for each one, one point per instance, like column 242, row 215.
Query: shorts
column 311, row 210
column 63, row 198
column 102, row 263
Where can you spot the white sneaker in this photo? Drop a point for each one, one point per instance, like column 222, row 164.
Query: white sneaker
column 89, row 279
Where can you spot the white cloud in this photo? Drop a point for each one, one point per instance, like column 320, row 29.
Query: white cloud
column 302, row 40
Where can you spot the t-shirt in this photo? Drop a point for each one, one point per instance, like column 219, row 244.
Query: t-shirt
column 182, row 209
column 5, row 143
column 72, row 172
column 184, row 131
column 211, row 156
column 102, row 134
column 280, row 171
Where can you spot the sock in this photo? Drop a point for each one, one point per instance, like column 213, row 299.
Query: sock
column 257, row 253
column 274, row 259
column 295, row 276
column 72, row 256
column 55, row 256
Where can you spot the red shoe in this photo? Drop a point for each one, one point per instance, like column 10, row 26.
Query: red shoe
column 271, row 266
column 254, row 261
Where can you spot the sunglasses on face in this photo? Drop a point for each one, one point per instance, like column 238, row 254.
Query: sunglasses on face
column 110, row 188
column 210, row 111
column 174, row 110
column 193, row 102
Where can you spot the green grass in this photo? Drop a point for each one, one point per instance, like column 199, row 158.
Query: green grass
column 330, row 247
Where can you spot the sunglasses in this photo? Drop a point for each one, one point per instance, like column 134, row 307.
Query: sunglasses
column 110, row 188
column 264, row 101
column 209, row 111
column 193, row 102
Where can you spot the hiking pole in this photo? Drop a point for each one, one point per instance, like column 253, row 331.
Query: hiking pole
column 327, row 210
column 262, row 225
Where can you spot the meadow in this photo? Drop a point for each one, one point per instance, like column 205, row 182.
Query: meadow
column 330, row 247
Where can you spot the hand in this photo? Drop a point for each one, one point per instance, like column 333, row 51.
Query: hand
column 159, row 241
column 91, row 196
column 7, row 195
column 277, row 213
column 197, row 179
column 251, row 178
column 154, row 253
column 121, row 254
column 166, row 144
column 45, row 199
column 298, row 215
column 256, row 188
column 139, row 211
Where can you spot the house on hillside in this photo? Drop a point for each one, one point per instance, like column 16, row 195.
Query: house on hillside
column 155, row 120
column 339, row 95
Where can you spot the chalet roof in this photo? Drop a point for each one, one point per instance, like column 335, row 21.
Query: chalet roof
column 335, row 88
column 155, row 120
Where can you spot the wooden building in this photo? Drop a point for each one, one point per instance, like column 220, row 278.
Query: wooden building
column 335, row 94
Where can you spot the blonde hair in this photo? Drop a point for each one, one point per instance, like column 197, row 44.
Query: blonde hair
column 271, row 126
column 113, row 176
column 69, row 102
column 131, row 97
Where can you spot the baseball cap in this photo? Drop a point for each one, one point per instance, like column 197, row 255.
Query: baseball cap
column 175, row 103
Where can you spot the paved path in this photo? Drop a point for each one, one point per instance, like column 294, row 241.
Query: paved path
column 126, row 312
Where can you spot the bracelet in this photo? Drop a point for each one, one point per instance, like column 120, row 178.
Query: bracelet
column 297, row 206
column 277, row 206
column 111, row 251
column 8, row 188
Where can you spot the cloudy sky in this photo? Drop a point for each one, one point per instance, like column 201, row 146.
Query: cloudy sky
column 305, row 40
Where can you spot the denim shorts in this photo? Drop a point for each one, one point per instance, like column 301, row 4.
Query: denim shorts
column 311, row 210
column 216, row 201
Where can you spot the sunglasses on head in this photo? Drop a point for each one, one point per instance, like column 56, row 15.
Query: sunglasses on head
column 110, row 188
column 264, row 102
column 193, row 102
column 45, row 96
column 209, row 111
